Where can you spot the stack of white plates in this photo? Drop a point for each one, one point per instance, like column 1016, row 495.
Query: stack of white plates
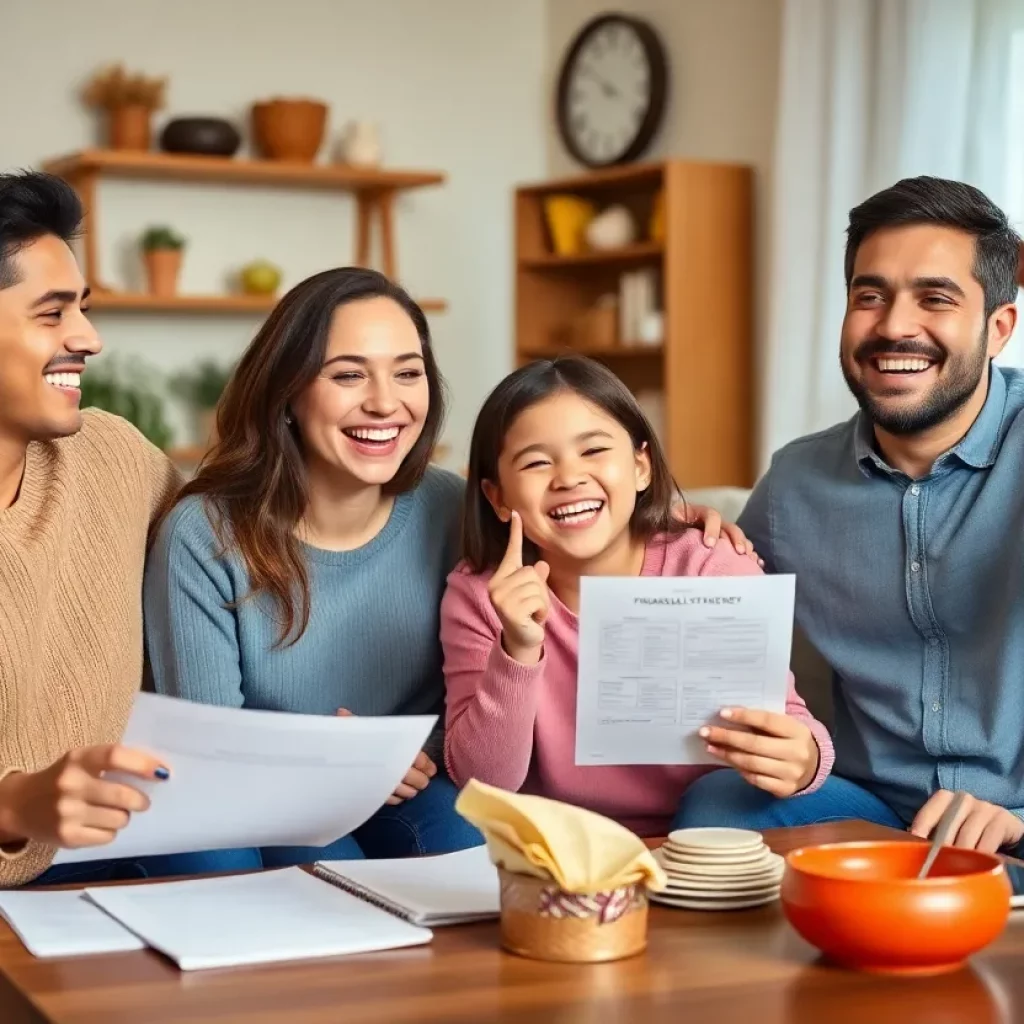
column 718, row 869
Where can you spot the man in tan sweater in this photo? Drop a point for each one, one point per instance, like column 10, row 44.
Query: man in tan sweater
column 79, row 492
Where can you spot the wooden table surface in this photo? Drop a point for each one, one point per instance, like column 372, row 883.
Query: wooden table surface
column 747, row 966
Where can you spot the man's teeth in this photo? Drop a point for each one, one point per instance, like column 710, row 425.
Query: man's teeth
column 578, row 510
column 903, row 365
column 372, row 434
column 63, row 380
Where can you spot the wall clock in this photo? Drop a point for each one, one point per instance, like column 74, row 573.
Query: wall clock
column 612, row 90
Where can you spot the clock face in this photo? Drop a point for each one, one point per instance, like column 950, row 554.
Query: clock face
column 612, row 91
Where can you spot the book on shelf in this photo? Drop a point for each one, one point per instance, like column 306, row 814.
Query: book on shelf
column 638, row 310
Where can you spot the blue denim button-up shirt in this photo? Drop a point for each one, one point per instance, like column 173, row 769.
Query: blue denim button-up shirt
column 913, row 591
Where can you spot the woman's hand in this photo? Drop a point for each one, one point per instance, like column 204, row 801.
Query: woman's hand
column 71, row 804
column 779, row 754
column 519, row 594
column 714, row 527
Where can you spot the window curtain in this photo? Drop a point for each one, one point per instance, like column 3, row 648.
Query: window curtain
column 871, row 91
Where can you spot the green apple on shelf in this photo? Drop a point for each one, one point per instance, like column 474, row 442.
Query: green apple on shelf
column 260, row 277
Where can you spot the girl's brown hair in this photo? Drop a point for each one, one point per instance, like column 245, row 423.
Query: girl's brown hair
column 254, row 480
column 484, row 536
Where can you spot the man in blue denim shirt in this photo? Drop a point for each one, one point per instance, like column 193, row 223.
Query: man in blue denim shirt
column 904, row 527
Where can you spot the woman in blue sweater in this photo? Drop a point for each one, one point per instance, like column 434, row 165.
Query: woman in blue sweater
column 303, row 567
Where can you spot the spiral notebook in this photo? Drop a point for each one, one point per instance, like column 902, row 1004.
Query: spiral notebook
column 453, row 888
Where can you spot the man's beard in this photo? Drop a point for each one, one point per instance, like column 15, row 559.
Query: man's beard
column 946, row 398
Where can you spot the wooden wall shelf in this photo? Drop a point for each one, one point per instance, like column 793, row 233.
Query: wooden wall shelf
column 374, row 190
column 699, row 382
column 142, row 302
column 230, row 170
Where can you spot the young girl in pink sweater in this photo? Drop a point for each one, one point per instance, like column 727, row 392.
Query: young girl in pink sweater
column 566, row 479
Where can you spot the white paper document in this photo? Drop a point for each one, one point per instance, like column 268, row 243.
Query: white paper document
column 242, row 778
column 660, row 657
column 253, row 919
column 64, row 923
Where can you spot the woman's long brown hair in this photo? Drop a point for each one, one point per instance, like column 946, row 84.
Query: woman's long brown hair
column 254, row 481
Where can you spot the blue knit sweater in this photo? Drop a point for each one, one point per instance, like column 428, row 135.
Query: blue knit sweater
column 372, row 641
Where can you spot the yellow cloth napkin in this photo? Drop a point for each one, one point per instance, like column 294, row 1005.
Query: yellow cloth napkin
column 581, row 851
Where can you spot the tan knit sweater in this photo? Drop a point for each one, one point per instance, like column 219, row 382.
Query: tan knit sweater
column 72, row 549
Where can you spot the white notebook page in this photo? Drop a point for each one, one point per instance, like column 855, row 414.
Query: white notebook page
column 251, row 919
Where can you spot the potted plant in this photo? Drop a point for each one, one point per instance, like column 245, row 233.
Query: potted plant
column 128, row 102
column 201, row 388
column 161, row 247
column 126, row 390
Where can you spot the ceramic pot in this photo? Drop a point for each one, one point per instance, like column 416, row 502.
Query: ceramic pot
column 129, row 127
column 289, row 129
column 205, row 136
column 162, row 269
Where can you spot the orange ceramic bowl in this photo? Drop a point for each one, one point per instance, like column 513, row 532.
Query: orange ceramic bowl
column 863, row 906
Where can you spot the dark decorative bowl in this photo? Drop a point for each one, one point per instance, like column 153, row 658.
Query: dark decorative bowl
column 207, row 136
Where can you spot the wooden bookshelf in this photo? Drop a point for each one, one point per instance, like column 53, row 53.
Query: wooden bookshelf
column 640, row 252
column 702, row 372
column 143, row 302
column 374, row 191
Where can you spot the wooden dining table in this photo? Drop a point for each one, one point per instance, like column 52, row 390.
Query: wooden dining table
column 744, row 966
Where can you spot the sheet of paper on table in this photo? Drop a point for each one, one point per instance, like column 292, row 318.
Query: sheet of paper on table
column 64, row 923
column 659, row 658
column 243, row 778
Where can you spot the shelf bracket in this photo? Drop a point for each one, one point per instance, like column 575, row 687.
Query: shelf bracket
column 376, row 205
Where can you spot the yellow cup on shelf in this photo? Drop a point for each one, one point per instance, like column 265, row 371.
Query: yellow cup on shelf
column 568, row 217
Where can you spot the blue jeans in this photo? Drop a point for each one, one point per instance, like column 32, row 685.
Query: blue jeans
column 165, row 866
column 426, row 823
column 723, row 797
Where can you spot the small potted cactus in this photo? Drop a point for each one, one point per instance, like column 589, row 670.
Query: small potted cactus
column 162, row 248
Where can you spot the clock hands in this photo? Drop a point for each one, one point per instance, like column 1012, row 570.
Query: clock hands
column 606, row 87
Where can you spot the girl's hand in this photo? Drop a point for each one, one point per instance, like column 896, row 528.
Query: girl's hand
column 714, row 527
column 519, row 594
column 779, row 753
column 416, row 778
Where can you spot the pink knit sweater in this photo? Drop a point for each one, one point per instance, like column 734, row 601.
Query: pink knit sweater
column 514, row 725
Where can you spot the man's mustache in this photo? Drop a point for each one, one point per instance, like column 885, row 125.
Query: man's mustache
column 873, row 347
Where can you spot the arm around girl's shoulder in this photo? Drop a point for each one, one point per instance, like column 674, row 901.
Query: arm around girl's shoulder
column 491, row 698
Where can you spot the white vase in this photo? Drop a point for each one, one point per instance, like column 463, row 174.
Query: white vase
column 613, row 228
column 360, row 144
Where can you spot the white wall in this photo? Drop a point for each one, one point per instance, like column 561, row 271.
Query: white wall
column 723, row 89
column 456, row 85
